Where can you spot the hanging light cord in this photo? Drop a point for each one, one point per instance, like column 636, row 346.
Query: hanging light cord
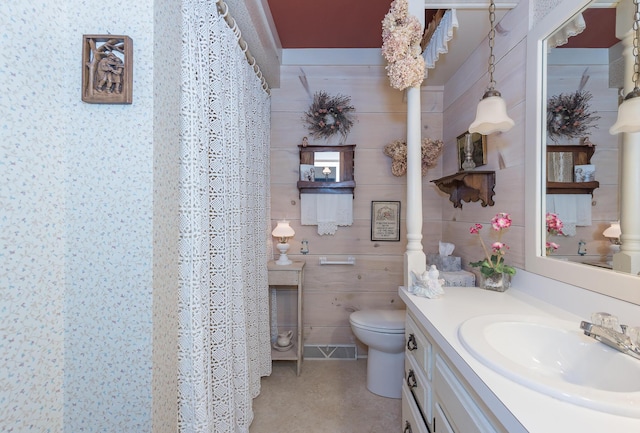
column 492, row 37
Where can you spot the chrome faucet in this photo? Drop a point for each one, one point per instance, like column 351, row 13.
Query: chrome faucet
column 605, row 329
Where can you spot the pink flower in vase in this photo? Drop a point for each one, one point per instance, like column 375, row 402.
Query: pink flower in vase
column 493, row 263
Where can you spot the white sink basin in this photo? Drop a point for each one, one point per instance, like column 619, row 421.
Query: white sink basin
column 554, row 357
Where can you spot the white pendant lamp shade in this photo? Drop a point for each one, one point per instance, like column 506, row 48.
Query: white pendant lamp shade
column 629, row 110
column 628, row 114
column 491, row 115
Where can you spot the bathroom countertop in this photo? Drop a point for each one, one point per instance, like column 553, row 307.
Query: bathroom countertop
column 519, row 408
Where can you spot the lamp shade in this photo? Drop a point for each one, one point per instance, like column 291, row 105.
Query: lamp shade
column 613, row 231
column 491, row 116
column 283, row 230
column 628, row 115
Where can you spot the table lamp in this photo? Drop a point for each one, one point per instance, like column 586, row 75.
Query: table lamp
column 283, row 232
column 326, row 171
column 613, row 234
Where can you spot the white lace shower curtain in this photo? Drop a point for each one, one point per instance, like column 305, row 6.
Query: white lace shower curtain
column 224, row 342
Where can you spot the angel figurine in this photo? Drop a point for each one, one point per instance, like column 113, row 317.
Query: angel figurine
column 427, row 285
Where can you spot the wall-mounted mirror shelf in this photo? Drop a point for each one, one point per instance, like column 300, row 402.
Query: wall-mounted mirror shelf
column 327, row 169
column 469, row 186
column 569, row 169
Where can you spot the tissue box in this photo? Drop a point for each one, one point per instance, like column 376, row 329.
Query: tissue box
column 444, row 263
column 459, row 278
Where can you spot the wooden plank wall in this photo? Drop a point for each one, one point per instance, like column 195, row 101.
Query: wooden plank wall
column 505, row 150
column 332, row 292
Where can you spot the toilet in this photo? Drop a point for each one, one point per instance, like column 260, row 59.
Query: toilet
column 383, row 332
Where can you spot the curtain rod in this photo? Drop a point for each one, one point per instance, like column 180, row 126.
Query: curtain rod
column 223, row 9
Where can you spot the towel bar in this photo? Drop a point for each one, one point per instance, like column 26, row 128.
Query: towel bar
column 350, row 261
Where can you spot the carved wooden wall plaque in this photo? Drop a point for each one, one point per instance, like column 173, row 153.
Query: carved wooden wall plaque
column 107, row 69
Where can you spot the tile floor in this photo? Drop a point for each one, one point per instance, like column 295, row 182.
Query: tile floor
column 329, row 396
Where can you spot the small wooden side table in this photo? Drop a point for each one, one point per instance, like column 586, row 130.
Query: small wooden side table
column 289, row 276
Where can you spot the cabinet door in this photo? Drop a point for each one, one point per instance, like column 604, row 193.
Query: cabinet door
column 440, row 420
column 412, row 421
column 418, row 347
column 420, row 387
column 463, row 413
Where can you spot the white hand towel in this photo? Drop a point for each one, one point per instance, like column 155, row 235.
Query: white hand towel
column 327, row 211
column 572, row 209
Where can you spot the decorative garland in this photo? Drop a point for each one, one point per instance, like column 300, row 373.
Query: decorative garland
column 568, row 115
column 401, row 37
column 329, row 115
column 397, row 151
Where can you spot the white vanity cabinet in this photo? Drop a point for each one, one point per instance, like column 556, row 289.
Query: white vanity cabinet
column 418, row 372
column 435, row 397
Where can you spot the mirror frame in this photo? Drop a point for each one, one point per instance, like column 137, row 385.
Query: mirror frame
column 618, row 285
column 347, row 184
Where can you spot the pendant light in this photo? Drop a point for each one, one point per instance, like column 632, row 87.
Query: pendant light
column 491, row 114
column 629, row 110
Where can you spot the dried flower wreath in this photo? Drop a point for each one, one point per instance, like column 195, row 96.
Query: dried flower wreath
column 568, row 115
column 329, row 115
column 397, row 151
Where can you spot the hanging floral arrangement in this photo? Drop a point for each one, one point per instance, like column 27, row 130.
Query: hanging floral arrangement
column 568, row 115
column 329, row 115
column 401, row 36
column 397, row 151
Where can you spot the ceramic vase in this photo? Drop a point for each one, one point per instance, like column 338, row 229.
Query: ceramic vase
column 496, row 282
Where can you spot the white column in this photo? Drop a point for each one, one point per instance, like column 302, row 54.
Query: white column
column 628, row 259
column 414, row 257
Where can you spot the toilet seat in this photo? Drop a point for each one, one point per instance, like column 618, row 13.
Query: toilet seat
column 383, row 321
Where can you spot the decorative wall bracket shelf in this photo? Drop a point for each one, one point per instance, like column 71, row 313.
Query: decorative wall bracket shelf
column 469, row 186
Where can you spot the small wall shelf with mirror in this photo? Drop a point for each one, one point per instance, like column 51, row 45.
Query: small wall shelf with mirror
column 327, row 169
column 569, row 169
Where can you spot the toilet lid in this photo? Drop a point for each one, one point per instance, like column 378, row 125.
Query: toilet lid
column 389, row 321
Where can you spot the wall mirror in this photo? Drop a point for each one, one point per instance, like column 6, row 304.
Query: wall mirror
column 583, row 258
column 327, row 169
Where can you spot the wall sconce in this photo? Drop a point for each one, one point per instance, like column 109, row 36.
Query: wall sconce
column 283, row 232
column 629, row 110
column 491, row 114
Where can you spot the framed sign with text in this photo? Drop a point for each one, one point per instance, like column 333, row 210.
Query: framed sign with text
column 385, row 221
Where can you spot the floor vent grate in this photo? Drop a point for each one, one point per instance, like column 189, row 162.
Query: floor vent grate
column 331, row 352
